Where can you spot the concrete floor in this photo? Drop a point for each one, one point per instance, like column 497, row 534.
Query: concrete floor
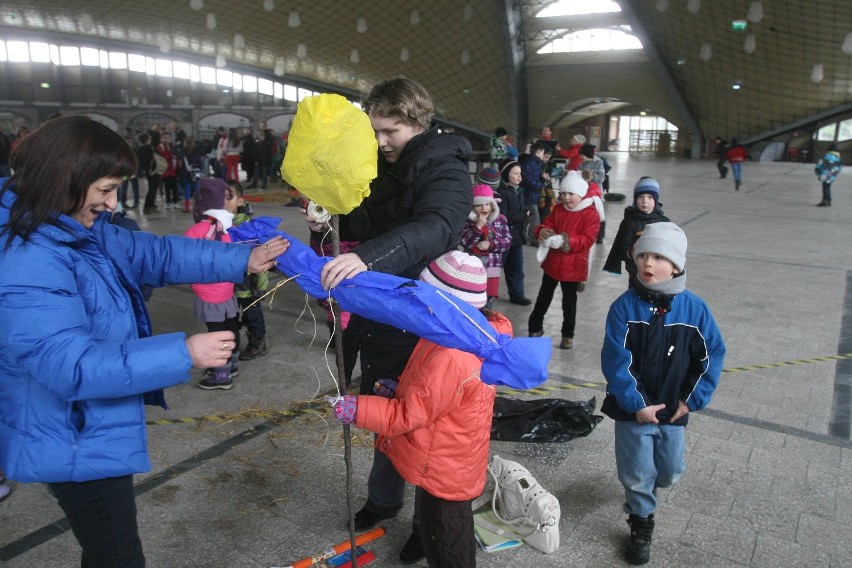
column 254, row 478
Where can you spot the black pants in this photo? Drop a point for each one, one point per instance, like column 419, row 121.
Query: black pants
column 102, row 515
column 153, row 187
column 447, row 532
column 542, row 302
column 171, row 187
column 252, row 319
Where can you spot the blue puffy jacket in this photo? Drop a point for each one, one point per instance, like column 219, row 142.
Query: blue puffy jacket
column 650, row 358
column 77, row 360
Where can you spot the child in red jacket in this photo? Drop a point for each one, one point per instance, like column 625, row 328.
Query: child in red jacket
column 570, row 231
column 435, row 424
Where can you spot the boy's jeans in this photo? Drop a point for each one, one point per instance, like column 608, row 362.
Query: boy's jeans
column 647, row 456
column 737, row 168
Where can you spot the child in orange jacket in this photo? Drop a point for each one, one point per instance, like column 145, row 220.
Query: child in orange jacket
column 435, row 425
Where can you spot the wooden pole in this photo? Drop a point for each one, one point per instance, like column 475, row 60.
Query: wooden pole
column 347, row 434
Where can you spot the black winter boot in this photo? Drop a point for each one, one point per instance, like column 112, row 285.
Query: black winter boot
column 641, row 532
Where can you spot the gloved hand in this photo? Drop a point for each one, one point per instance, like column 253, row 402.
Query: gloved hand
column 544, row 233
column 385, row 387
column 309, row 214
column 344, row 408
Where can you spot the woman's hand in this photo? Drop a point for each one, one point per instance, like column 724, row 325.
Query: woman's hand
column 263, row 257
column 210, row 349
column 339, row 269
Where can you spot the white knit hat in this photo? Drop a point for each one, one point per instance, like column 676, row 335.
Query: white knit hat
column 460, row 274
column 664, row 239
column 574, row 183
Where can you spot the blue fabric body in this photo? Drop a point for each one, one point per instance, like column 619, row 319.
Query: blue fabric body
column 417, row 307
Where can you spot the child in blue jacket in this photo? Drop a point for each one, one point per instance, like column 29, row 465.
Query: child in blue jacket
column 662, row 356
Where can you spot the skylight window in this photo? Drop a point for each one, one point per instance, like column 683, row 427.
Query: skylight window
column 578, row 7
column 593, row 40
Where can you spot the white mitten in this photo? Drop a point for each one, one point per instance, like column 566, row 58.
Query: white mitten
column 553, row 241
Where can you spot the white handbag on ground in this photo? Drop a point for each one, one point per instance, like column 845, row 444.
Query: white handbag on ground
column 529, row 511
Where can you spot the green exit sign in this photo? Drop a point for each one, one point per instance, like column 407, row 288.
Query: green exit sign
column 739, row 25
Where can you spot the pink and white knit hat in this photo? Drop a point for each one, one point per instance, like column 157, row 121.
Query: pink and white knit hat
column 460, row 274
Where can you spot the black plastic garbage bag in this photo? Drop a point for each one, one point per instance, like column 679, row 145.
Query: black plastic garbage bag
column 542, row 420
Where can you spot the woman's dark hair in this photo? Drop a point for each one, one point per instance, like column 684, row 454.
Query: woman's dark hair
column 54, row 167
column 233, row 138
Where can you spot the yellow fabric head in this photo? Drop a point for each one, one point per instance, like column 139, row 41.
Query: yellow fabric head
column 331, row 153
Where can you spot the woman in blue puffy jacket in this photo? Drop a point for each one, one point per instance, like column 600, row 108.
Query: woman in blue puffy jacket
column 77, row 359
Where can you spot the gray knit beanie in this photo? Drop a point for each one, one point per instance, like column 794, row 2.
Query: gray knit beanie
column 664, row 239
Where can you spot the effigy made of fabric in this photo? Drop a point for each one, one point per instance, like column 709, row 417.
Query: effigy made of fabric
column 414, row 306
column 332, row 153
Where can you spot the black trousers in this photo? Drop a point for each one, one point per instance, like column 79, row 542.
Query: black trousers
column 102, row 515
column 153, row 187
column 447, row 527
column 542, row 303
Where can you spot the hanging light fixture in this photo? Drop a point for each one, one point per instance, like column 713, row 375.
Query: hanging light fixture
column 706, row 52
column 196, row 4
column 662, row 5
column 220, row 60
column 165, row 44
column 404, row 55
column 293, row 21
column 87, row 23
column 268, row 5
column 279, row 67
column 354, row 57
column 750, row 43
column 468, row 12
column 465, row 57
column 755, row 12
column 301, row 51
column 847, row 44
column 211, row 21
column 361, row 26
column 239, row 41
column 693, row 6
column 816, row 73
column 415, row 17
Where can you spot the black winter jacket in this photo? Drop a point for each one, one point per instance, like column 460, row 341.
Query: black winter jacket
column 512, row 206
column 416, row 208
column 629, row 231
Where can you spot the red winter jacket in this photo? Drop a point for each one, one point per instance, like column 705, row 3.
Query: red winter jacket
column 581, row 225
column 573, row 156
column 737, row 154
column 436, row 429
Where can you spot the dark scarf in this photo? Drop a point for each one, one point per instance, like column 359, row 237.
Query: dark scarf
column 661, row 295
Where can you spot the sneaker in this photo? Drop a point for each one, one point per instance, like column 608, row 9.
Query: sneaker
column 253, row 351
column 581, row 287
column 536, row 333
column 208, row 373
column 566, row 343
column 214, row 384
column 521, row 301
column 5, row 490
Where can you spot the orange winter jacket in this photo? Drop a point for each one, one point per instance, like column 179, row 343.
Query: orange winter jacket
column 436, row 429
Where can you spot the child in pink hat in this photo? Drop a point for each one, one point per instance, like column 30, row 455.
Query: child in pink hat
column 486, row 236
